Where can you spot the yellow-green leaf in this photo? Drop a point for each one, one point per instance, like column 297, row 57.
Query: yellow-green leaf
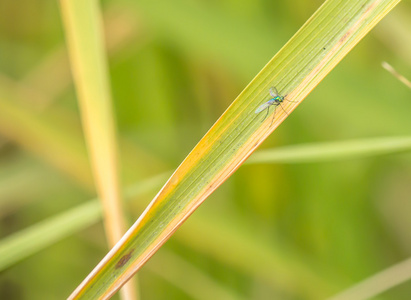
column 295, row 70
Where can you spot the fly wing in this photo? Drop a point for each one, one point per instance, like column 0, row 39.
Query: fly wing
column 273, row 92
column 262, row 107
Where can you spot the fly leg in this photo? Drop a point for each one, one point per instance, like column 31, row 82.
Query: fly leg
column 285, row 98
column 268, row 109
column 284, row 110
column 275, row 108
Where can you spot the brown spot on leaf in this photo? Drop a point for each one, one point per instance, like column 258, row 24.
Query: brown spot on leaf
column 124, row 259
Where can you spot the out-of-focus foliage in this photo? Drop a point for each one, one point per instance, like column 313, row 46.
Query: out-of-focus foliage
column 175, row 66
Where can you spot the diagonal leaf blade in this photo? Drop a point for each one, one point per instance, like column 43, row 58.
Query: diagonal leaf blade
column 296, row 69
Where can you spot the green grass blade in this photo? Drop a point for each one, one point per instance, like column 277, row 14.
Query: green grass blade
column 302, row 63
column 43, row 234
column 332, row 151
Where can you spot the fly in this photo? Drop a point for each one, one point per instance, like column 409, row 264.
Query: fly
column 276, row 100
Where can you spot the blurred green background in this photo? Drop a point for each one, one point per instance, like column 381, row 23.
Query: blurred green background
column 280, row 231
